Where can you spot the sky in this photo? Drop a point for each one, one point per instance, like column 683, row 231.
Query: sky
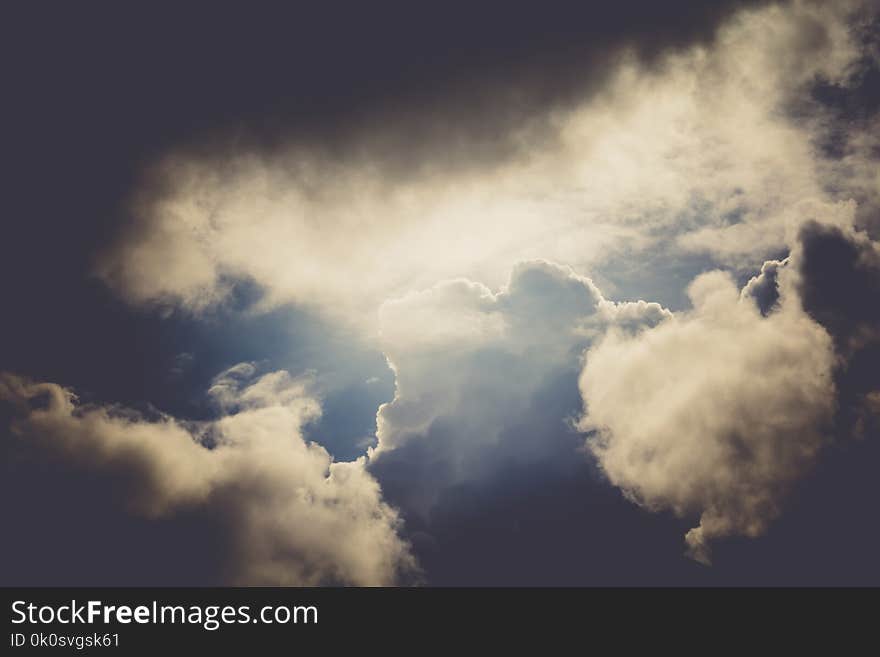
column 412, row 294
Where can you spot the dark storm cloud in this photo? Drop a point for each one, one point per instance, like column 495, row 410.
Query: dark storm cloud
column 840, row 288
column 416, row 476
column 840, row 284
column 830, row 534
column 539, row 513
column 538, row 525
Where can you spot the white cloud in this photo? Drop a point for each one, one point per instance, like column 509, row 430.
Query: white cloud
column 294, row 517
column 699, row 149
column 715, row 413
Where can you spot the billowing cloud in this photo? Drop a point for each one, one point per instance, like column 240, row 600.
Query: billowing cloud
column 697, row 150
column 714, row 414
column 470, row 367
column 285, row 513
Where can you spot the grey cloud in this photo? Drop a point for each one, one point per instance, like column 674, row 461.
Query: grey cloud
column 470, row 365
column 839, row 282
column 844, row 115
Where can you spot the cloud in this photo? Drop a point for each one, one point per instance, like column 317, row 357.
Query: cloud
column 441, row 341
column 763, row 289
column 280, row 510
column 383, row 82
column 486, row 380
column 716, row 413
column 478, row 450
column 838, row 278
column 696, row 150
column 839, row 282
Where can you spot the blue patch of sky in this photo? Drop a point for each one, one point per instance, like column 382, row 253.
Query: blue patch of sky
column 149, row 360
